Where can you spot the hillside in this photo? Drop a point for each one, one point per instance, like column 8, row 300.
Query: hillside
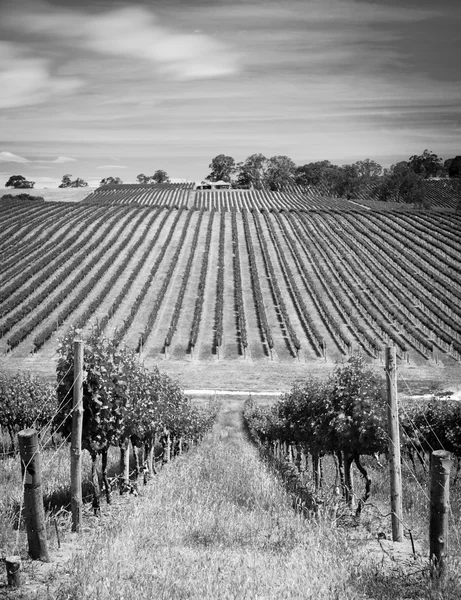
column 220, row 294
column 53, row 194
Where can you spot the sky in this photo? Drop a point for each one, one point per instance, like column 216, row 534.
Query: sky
column 117, row 88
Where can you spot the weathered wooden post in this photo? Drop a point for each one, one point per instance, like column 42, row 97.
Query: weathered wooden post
column 166, row 446
column 394, row 445
column 124, row 466
column 33, row 497
column 76, row 501
column 440, row 495
column 13, row 571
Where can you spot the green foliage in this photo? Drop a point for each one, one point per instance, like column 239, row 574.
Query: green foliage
column 345, row 413
column 18, row 181
column 111, row 181
column 67, row 182
column 432, row 425
column 312, row 173
column 454, row 167
column 426, row 165
column 143, row 179
column 280, row 172
column 401, row 184
column 342, row 182
column 252, row 172
column 222, row 168
column 121, row 398
column 160, row 176
column 21, row 197
column 25, row 401
column 357, row 408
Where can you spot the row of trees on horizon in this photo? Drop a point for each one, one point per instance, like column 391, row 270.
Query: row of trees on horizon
column 403, row 181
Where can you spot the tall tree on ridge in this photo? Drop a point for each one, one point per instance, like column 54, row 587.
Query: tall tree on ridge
column 160, row 176
column 222, row 168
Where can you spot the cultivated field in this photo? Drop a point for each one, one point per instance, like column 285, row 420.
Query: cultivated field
column 52, row 194
column 232, row 289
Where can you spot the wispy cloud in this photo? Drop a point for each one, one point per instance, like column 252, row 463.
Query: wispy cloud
column 131, row 32
column 27, row 80
column 9, row 157
column 63, row 159
column 313, row 79
column 112, row 167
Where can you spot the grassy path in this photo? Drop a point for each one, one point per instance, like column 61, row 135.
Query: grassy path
column 214, row 524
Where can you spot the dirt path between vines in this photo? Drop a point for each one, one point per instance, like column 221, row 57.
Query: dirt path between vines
column 215, row 523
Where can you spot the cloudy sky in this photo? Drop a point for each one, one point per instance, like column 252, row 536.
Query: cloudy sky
column 119, row 88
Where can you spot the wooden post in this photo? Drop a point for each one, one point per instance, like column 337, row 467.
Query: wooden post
column 76, row 501
column 124, row 466
column 166, row 447
column 440, row 494
column 394, row 445
column 33, row 497
column 13, row 571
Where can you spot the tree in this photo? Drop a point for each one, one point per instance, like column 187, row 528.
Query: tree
column 143, row 179
column 160, row 177
column 426, row 164
column 111, row 181
column 345, row 181
column 252, row 172
column 340, row 181
column 18, row 182
column 454, row 167
column 334, row 180
column 67, row 182
column 23, row 196
column 280, row 172
column 222, row 168
column 79, row 183
column 367, row 170
column 312, row 173
column 401, row 184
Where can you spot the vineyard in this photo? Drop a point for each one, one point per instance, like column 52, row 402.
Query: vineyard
column 252, row 276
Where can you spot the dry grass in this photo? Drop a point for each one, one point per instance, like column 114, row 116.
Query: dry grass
column 217, row 523
column 53, row 195
column 56, row 497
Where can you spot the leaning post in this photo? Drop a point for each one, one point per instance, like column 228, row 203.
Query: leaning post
column 440, row 495
column 33, row 496
column 394, row 445
column 76, row 500
column 13, row 571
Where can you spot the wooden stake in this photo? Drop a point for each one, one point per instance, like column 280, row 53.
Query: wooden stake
column 124, row 466
column 394, row 445
column 33, row 497
column 440, row 495
column 13, row 571
column 167, row 447
column 76, row 501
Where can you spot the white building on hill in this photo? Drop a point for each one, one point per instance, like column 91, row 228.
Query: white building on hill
column 212, row 185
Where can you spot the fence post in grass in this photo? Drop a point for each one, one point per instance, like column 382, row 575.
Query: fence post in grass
column 394, row 445
column 76, row 501
column 33, row 497
column 166, row 446
column 13, row 571
column 440, row 495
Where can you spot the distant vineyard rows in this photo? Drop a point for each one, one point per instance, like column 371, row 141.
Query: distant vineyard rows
column 443, row 195
column 281, row 285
